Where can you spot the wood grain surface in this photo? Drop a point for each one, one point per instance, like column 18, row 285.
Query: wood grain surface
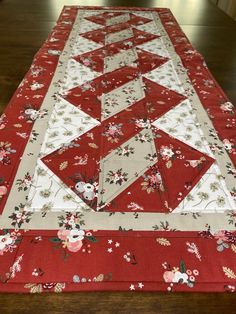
column 24, row 25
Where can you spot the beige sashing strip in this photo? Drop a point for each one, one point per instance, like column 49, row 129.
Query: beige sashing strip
column 135, row 221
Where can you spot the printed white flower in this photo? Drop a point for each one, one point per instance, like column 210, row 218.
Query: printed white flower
column 228, row 106
column 227, row 144
column 166, row 152
column 53, row 52
column 75, row 235
column 180, row 276
column 5, row 240
column 36, row 86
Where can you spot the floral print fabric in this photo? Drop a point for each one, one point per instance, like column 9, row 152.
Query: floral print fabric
column 117, row 158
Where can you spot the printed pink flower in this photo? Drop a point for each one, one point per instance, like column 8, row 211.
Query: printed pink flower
column 72, row 239
column 227, row 107
column 220, row 235
column 168, row 276
column 113, row 132
column 3, row 154
column 86, row 62
column 195, row 272
column 166, row 152
column 5, row 242
column 62, row 234
column 3, row 190
column 228, row 145
column 74, row 246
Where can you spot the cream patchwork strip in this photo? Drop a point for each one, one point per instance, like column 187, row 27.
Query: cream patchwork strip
column 121, row 59
column 118, row 172
column 118, row 19
column 135, row 221
column 118, row 36
column 122, row 97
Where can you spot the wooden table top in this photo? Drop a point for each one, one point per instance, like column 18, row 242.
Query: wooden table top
column 24, row 25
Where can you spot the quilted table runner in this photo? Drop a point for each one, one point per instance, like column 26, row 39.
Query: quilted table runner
column 117, row 162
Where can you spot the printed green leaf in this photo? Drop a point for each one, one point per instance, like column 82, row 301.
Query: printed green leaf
column 182, row 267
column 91, row 238
column 54, row 240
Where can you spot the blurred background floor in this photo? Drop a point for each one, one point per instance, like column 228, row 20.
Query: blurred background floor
column 24, row 25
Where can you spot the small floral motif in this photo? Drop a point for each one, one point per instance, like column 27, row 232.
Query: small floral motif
column 36, row 70
column 71, row 221
column 36, row 86
column 227, row 107
column 195, row 163
column 5, row 151
column 88, row 62
column 179, row 275
column 229, row 288
column 33, row 136
column 164, row 225
column 168, row 154
column 113, row 132
column 8, row 241
column 117, row 177
column 232, row 217
column 81, row 160
column 72, row 240
column 153, row 181
column 99, row 278
column 130, row 258
column 133, row 287
column 45, row 287
column 231, row 169
column 125, row 151
column 111, row 101
column 20, row 216
column 229, row 146
column 143, row 138
column 87, row 190
column 224, row 238
column 37, row 272
column 2, row 121
column 192, row 248
column 3, row 188
column 45, row 193
column 30, row 114
column 143, row 123
column 134, row 206
column 24, row 184
column 13, row 270
column 54, row 52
